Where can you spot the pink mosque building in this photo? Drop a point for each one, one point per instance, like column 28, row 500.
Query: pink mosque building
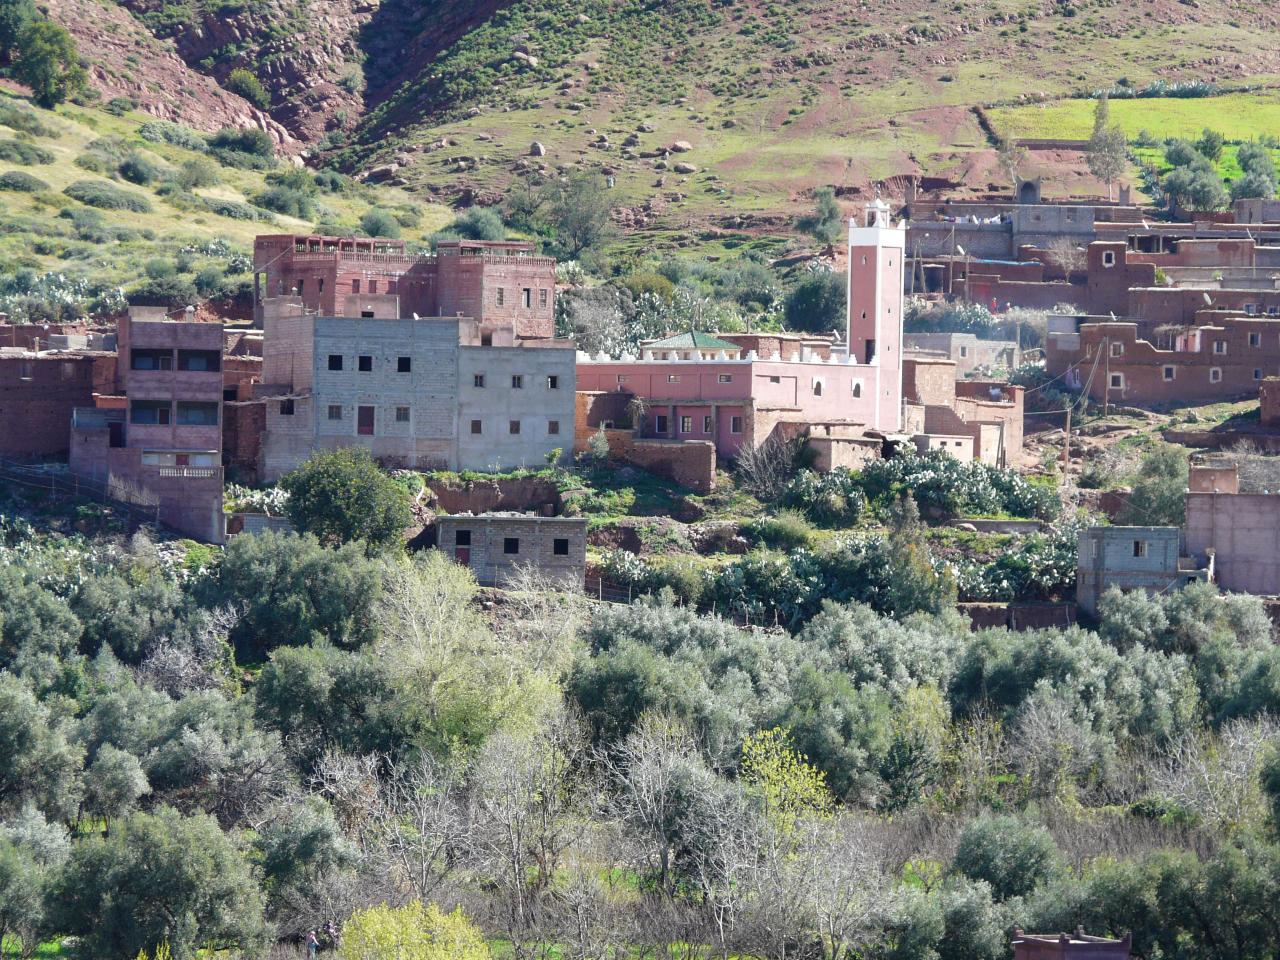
column 733, row 388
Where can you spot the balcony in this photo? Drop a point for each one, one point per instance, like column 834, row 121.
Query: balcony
column 189, row 473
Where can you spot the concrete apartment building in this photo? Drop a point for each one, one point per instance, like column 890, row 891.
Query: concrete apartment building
column 502, row 282
column 162, row 442
column 496, row 545
column 421, row 393
column 1151, row 559
column 731, row 389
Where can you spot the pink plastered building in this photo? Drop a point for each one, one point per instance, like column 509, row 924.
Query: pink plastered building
column 732, row 389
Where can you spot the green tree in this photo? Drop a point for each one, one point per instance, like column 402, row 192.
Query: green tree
column 48, row 63
column 1159, row 493
column 22, row 882
column 342, row 495
column 914, row 583
column 789, row 786
column 1107, row 155
column 579, row 210
column 479, row 223
column 377, row 222
column 15, row 17
column 825, row 222
column 1011, row 155
column 1013, row 856
column 411, row 932
column 1270, row 777
column 240, row 81
column 37, row 764
column 816, row 304
column 114, row 783
column 1210, row 144
column 159, row 879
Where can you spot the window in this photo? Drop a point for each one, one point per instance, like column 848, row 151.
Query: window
column 560, row 546
column 364, row 363
column 402, row 414
column 673, row 378
column 364, row 421
column 659, row 424
column 553, row 382
column 1219, row 346
column 477, row 380
column 964, row 351
column 856, row 386
column 355, row 286
column 1139, row 548
column 817, row 387
column 526, row 297
column 462, row 538
column 1108, row 258
column 286, row 408
column 335, row 361
column 1170, row 372
column 1255, row 339
column 542, row 297
column 871, row 350
column 298, row 289
column 1117, row 349
column 1117, row 381
column 706, row 424
column 200, row 360
column 500, row 296
column 1215, row 374
column 194, row 413
column 366, row 314
column 622, row 378
column 724, row 378
column 517, row 382
column 404, row 365
column 149, row 411
column 373, row 286
column 553, row 428
column 151, row 359
column 486, row 339
column 686, row 424
column 513, row 427
column 735, row 424
column 475, row 427
column 775, row 379
column 335, row 411
column 510, row 545
column 1250, row 309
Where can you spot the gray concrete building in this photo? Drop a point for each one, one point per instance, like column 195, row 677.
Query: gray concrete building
column 421, row 393
column 1131, row 558
column 495, row 545
column 968, row 352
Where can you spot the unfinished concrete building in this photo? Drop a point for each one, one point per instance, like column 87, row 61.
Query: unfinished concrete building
column 1233, row 524
column 496, row 545
column 1151, row 559
column 500, row 282
column 966, row 350
column 162, row 442
column 421, row 393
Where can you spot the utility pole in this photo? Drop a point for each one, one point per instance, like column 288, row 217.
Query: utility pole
column 1066, row 444
column 1106, row 385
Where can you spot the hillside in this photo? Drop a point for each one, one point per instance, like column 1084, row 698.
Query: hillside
column 773, row 99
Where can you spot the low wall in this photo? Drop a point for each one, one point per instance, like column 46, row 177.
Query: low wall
column 1019, row 616
column 1001, row 526
column 1267, row 442
column 519, row 494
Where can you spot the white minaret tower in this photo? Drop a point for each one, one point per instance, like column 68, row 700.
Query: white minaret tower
column 876, row 253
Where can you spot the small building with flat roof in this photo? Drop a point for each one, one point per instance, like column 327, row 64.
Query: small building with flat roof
column 494, row 546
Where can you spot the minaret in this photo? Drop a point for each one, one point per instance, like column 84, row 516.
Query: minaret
column 876, row 252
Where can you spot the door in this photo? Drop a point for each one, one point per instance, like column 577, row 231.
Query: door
column 364, row 421
column 462, row 555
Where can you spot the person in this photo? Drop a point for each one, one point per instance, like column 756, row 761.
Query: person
column 312, row 945
column 331, row 932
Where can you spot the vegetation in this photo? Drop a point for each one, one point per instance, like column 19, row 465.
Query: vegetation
column 342, row 496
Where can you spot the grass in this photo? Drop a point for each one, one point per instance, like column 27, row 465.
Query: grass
column 1237, row 116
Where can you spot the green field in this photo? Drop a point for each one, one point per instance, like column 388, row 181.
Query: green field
column 1237, row 116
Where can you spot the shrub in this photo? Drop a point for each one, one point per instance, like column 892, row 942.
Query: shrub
column 165, row 131
column 245, row 84
column 172, row 291
column 1014, row 857
column 479, row 223
column 786, row 530
column 234, row 209
column 330, row 181
column 22, row 182
column 380, row 223
column 816, row 304
column 138, row 168
column 196, row 172
column 288, row 201
column 250, row 140
column 27, row 154
column 24, row 121
column 99, row 193
column 411, row 932
column 119, row 106
column 342, row 495
column 834, row 497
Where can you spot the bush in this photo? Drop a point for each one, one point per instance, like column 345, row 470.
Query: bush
column 786, row 530
column 171, row 291
column 234, row 209
column 119, row 106
column 816, row 304
column 99, row 193
column 479, row 223
column 411, row 932
column 27, row 154
column 380, row 223
column 137, row 168
column 1013, row 856
column 286, row 200
column 330, row 181
column 24, row 121
column 834, row 497
column 243, row 83
column 165, row 131
column 196, row 172
column 251, row 140
column 22, row 182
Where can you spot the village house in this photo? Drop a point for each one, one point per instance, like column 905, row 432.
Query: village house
column 966, row 350
column 38, row 392
column 495, row 546
column 969, row 419
column 503, row 282
column 1151, row 559
column 161, row 442
column 1233, row 524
